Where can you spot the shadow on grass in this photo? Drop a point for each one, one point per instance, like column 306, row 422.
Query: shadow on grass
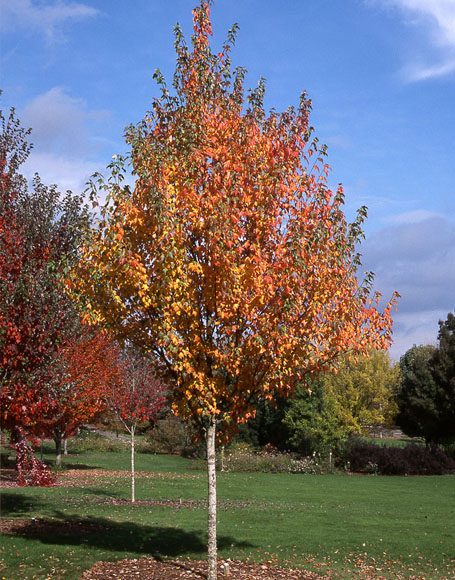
column 116, row 536
column 66, row 465
column 17, row 504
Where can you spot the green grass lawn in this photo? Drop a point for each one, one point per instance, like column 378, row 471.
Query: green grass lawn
column 402, row 525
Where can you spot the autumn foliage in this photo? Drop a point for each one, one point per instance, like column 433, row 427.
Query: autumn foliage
column 16, row 327
column 138, row 395
column 52, row 369
column 30, row 470
column 231, row 260
column 85, row 369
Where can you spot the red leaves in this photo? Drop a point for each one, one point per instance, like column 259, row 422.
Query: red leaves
column 137, row 395
column 30, row 470
column 86, row 367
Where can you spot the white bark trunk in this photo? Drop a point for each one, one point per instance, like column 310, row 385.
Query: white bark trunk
column 65, row 446
column 211, row 474
column 222, row 458
column 58, row 449
column 133, row 482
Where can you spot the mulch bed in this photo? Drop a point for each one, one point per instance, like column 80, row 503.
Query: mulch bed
column 150, row 569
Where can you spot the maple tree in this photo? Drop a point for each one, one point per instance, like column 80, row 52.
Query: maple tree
column 231, row 260
column 137, row 397
column 39, row 235
column 83, row 372
column 13, row 151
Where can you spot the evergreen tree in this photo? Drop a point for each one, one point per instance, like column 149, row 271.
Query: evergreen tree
column 426, row 398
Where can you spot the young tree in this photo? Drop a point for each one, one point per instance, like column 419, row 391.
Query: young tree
column 83, row 373
column 137, row 397
column 231, row 261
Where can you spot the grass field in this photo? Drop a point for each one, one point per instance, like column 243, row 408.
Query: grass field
column 400, row 525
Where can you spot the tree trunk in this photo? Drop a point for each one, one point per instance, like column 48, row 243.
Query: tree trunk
column 65, row 446
column 58, row 448
column 211, row 475
column 133, row 482
column 222, row 458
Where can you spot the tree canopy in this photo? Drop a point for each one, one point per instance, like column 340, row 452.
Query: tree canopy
column 40, row 231
column 426, row 398
column 231, row 259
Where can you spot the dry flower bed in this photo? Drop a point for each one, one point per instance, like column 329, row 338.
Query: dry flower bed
column 150, row 569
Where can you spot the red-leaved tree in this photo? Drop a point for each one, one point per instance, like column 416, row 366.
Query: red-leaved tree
column 138, row 397
column 85, row 370
column 40, row 231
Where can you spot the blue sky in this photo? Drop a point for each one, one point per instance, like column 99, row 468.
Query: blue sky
column 381, row 74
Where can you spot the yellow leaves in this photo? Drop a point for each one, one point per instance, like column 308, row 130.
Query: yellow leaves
column 117, row 298
column 177, row 308
column 195, row 267
column 146, row 300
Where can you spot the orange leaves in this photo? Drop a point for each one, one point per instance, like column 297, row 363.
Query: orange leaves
column 119, row 234
column 232, row 259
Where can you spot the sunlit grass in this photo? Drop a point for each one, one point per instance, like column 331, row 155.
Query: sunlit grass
column 322, row 522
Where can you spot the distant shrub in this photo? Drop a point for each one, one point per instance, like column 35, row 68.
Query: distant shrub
column 409, row 460
column 269, row 460
column 450, row 450
column 169, row 435
column 90, row 441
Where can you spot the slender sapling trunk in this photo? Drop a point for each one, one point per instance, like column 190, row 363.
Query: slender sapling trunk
column 222, row 458
column 211, row 476
column 133, row 482
column 58, row 447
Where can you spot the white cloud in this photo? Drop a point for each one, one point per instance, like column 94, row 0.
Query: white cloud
column 438, row 18
column 416, row 257
column 66, row 150
column 60, row 122
column 65, row 172
column 439, row 13
column 415, row 328
column 420, row 72
column 412, row 217
column 45, row 17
